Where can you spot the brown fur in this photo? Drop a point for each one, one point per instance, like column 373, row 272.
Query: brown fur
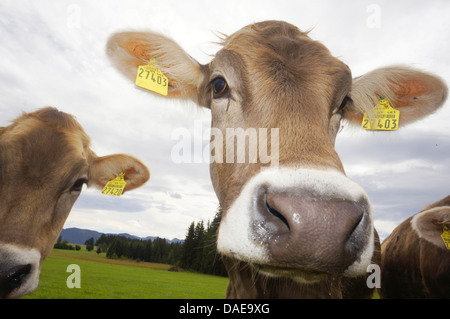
column 412, row 266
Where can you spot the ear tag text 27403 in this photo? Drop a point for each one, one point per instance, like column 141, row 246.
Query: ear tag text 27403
column 151, row 78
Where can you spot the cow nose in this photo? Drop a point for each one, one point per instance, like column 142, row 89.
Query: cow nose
column 12, row 278
column 312, row 233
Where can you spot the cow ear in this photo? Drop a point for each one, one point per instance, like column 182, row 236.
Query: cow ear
column 429, row 224
column 414, row 93
column 106, row 168
column 129, row 50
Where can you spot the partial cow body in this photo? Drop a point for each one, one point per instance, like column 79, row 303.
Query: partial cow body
column 301, row 225
column 415, row 263
column 44, row 161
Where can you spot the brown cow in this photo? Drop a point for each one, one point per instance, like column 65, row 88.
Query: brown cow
column 300, row 228
column 415, row 262
column 44, row 161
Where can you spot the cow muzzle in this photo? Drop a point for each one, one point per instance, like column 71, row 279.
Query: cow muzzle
column 304, row 224
column 19, row 271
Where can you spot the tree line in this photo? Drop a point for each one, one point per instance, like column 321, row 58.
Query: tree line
column 199, row 249
column 197, row 253
column 64, row 244
column 157, row 251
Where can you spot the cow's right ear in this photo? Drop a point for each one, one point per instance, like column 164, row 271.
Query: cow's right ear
column 429, row 224
column 106, row 168
column 414, row 93
column 129, row 50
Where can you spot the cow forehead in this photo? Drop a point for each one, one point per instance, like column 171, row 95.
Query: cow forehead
column 46, row 123
column 282, row 65
column 38, row 147
column 262, row 31
column 278, row 48
column 43, row 147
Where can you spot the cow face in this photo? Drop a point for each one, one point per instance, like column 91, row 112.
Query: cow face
column 45, row 160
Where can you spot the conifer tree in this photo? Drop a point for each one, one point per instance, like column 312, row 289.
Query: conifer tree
column 89, row 244
column 188, row 248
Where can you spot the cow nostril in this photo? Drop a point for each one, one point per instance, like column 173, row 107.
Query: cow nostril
column 358, row 222
column 277, row 214
column 13, row 278
column 19, row 274
column 356, row 237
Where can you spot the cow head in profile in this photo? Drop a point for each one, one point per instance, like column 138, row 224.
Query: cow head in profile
column 45, row 160
column 302, row 222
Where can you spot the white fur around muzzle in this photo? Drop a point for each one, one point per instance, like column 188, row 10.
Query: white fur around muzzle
column 236, row 236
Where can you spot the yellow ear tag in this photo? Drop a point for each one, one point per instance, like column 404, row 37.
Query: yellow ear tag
column 385, row 117
column 151, row 78
column 446, row 236
column 116, row 186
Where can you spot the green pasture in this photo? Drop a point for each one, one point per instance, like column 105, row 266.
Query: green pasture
column 103, row 278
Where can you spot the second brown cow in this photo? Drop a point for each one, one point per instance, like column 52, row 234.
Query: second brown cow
column 415, row 262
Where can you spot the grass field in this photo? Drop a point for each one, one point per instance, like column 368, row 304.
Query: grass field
column 109, row 279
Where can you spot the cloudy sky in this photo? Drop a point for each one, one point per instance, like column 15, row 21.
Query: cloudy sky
column 53, row 53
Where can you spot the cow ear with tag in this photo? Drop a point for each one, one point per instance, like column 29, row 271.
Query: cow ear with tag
column 433, row 225
column 112, row 167
column 414, row 94
column 141, row 56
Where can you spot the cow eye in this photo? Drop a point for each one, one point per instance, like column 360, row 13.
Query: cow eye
column 78, row 185
column 219, row 87
column 344, row 102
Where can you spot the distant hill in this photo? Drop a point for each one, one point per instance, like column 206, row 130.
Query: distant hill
column 79, row 236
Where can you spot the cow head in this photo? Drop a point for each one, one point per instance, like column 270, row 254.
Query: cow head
column 302, row 219
column 45, row 160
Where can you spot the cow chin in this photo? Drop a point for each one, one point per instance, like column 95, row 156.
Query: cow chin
column 297, row 275
column 310, row 276
column 255, row 232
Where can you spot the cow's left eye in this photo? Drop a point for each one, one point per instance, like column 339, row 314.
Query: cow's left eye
column 219, row 87
column 344, row 102
column 78, row 185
